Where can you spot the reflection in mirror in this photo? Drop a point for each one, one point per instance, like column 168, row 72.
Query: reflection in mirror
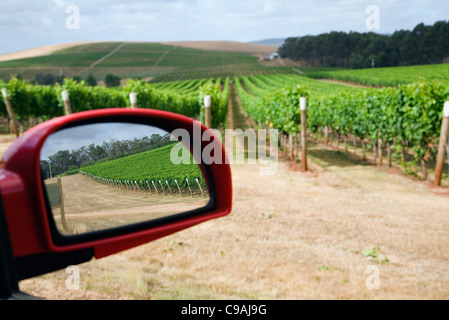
column 105, row 175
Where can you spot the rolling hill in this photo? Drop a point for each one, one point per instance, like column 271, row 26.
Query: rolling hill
column 148, row 60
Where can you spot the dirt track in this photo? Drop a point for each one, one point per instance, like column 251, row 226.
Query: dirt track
column 89, row 205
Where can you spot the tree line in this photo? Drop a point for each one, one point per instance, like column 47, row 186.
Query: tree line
column 65, row 161
column 423, row 45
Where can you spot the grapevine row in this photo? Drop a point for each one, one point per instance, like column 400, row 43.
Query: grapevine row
column 403, row 117
column 45, row 102
column 152, row 165
column 172, row 187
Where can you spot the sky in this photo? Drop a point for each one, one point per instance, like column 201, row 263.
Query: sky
column 97, row 133
column 26, row 24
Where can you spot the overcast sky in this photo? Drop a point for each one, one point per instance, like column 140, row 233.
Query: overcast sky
column 77, row 137
column 26, row 24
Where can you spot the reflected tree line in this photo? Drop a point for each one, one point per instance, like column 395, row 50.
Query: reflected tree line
column 70, row 161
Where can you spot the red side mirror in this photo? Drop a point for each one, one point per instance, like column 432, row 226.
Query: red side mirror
column 47, row 233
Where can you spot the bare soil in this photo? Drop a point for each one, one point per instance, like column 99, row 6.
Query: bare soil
column 91, row 206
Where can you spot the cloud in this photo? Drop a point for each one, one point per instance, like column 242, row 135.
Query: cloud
column 83, row 136
column 26, row 24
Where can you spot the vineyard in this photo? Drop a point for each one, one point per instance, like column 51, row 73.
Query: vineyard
column 392, row 76
column 151, row 171
column 39, row 102
column 402, row 121
column 310, row 231
column 155, row 61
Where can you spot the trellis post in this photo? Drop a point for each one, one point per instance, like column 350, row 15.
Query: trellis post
column 12, row 118
column 442, row 145
column 303, row 107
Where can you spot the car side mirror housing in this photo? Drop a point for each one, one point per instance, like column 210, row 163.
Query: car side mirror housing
column 98, row 182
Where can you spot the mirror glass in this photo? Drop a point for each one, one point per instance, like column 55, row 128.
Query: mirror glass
column 105, row 175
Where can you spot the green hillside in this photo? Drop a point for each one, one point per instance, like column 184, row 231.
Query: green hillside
column 153, row 165
column 145, row 60
column 391, row 76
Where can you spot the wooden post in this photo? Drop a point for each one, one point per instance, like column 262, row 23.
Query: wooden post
column 375, row 153
column 290, row 146
column 66, row 100
column 176, row 181
column 199, row 185
column 64, row 224
column 163, row 190
column 326, row 135
column 380, row 152
column 168, row 186
column 298, row 145
column 363, row 149
column 191, row 193
column 12, row 118
column 389, row 154
column 133, row 99
column 442, row 145
column 207, row 111
column 157, row 192
column 303, row 107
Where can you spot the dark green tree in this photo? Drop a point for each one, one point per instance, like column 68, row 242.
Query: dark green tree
column 111, row 80
column 422, row 45
column 91, row 81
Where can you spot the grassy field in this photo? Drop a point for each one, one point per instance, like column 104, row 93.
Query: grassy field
column 316, row 88
column 385, row 76
column 145, row 60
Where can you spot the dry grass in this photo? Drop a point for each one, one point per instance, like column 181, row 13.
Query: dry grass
column 41, row 51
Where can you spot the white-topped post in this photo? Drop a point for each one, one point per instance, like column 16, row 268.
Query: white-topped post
column 133, row 99
column 207, row 111
column 66, row 100
column 442, row 145
column 12, row 118
column 303, row 107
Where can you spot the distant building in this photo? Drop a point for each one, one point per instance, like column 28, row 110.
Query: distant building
column 273, row 56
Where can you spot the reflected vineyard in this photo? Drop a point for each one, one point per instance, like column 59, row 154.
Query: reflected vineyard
column 93, row 185
column 183, row 188
column 70, row 161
